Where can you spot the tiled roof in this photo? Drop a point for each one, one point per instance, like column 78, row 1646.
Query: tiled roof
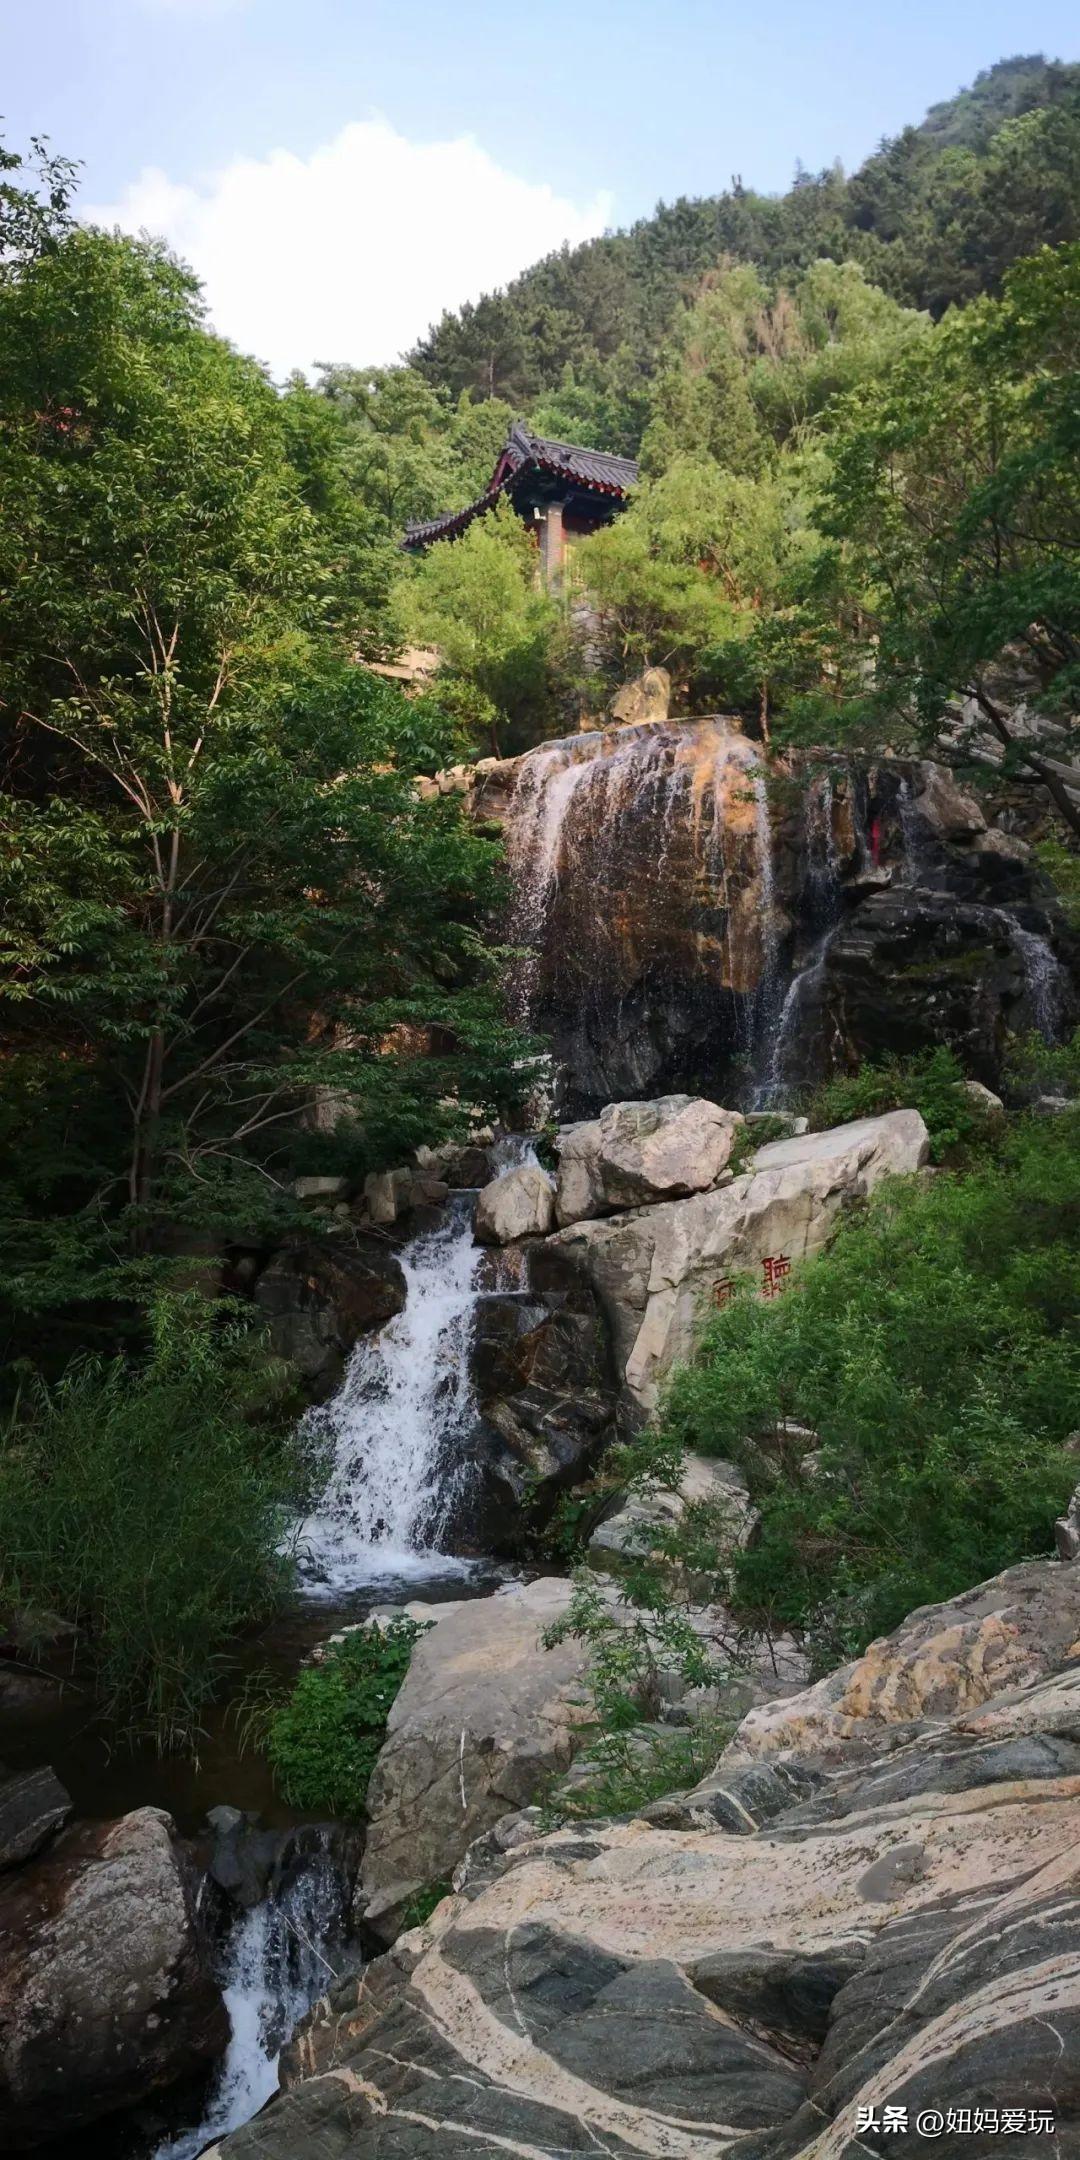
column 596, row 470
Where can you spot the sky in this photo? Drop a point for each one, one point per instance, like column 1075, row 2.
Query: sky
column 340, row 171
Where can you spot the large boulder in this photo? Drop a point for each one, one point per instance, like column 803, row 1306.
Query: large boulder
column 519, row 1204
column 637, row 1153
column 646, row 697
column 637, row 1523
column 658, row 1269
column 320, row 1299
column 803, row 1946
column 33, row 1807
column 542, row 1373
column 105, row 1996
column 943, row 1661
column 486, row 1716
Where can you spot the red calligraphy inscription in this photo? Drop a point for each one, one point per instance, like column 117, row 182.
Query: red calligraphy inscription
column 774, row 1273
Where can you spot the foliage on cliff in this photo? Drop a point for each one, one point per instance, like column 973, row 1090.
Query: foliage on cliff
column 932, row 1361
column 853, row 513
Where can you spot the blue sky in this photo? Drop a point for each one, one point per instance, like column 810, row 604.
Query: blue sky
column 377, row 210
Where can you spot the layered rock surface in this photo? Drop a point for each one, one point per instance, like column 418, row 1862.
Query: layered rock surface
column 894, row 1924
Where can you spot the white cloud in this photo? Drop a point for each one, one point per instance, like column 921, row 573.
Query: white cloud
column 350, row 253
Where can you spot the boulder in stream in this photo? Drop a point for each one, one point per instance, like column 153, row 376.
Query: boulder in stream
column 106, row 1995
column 519, row 1204
column 485, row 1717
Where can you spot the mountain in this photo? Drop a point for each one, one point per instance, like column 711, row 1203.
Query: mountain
column 935, row 216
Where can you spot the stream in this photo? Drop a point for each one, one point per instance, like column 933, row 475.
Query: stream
column 396, row 1436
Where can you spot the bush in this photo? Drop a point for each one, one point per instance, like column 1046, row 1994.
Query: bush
column 324, row 1740
column 140, row 1505
column 934, row 1353
column 930, row 1082
column 1037, row 1067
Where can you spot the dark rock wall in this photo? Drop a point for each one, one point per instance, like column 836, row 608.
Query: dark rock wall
column 690, row 918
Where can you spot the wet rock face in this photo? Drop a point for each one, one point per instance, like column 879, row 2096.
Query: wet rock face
column 909, row 969
column 547, row 1396
column 890, row 1920
column 641, row 881
column 32, row 1808
column 693, row 919
column 320, row 1301
column 105, row 1992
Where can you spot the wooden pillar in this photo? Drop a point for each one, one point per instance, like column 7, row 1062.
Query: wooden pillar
column 552, row 547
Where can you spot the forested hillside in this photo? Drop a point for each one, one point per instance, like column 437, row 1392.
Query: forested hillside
column 249, row 942
column 934, row 217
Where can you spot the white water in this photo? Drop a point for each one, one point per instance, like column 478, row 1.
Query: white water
column 778, row 1029
column 278, row 1960
column 534, row 839
column 1045, row 980
column 396, row 1426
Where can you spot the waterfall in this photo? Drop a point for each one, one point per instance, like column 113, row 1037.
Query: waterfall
column 396, row 1427
column 534, row 839
column 641, row 866
column 1045, row 980
column 277, row 1960
column 823, row 902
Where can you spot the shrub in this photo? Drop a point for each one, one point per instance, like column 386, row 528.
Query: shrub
column 934, row 1353
column 140, row 1505
column 930, row 1082
column 324, row 1740
column 1037, row 1067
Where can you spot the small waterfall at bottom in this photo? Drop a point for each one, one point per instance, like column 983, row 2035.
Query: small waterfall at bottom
column 396, row 1427
column 276, row 1961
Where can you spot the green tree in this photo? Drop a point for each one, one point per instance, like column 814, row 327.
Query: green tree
column 33, row 219
column 477, row 599
column 955, row 485
column 221, row 890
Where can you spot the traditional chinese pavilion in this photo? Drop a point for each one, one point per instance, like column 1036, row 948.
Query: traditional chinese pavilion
column 559, row 489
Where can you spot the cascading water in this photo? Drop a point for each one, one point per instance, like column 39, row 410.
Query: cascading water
column 641, row 861
column 276, row 1961
column 535, row 838
column 396, row 1426
column 822, row 887
column 1045, row 980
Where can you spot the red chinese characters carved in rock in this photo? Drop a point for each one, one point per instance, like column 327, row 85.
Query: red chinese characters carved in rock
column 774, row 1274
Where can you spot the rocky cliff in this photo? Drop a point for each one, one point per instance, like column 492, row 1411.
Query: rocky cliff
column 692, row 916
column 872, row 1905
